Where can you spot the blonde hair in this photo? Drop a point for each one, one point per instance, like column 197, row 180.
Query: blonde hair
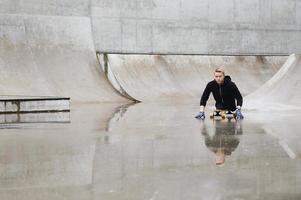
column 220, row 70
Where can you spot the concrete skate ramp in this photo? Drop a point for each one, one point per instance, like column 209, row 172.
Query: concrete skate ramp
column 182, row 77
column 51, row 56
column 282, row 91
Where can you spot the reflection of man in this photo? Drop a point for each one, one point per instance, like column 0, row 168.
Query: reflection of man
column 224, row 141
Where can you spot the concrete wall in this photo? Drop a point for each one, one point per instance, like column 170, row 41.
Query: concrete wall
column 197, row 26
column 47, row 49
column 46, row 7
column 180, row 27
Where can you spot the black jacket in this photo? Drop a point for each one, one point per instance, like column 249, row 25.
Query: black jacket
column 224, row 95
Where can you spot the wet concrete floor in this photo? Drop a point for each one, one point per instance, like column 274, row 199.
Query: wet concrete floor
column 152, row 151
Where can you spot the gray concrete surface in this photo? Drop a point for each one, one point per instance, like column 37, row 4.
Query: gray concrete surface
column 197, row 26
column 282, row 91
column 228, row 27
column 51, row 56
column 53, row 41
column 182, row 78
column 166, row 155
column 41, row 161
column 150, row 150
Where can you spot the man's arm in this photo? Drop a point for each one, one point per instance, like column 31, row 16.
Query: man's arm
column 205, row 98
column 239, row 100
column 238, row 96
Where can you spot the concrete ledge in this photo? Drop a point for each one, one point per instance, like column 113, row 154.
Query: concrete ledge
column 25, row 104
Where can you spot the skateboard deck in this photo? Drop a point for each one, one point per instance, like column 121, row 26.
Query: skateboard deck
column 222, row 114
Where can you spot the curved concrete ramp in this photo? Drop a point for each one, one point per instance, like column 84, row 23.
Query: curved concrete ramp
column 281, row 92
column 51, row 56
column 182, row 77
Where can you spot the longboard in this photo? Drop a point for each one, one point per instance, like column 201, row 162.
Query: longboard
column 222, row 115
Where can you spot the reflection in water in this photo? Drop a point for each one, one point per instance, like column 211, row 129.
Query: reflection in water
column 6, row 120
column 117, row 115
column 151, row 151
column 223, row 140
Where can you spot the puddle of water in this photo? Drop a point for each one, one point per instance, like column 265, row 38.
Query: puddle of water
column 154, row 151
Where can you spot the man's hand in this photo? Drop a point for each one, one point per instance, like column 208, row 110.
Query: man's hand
column 200, row 115
column 238, row 114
